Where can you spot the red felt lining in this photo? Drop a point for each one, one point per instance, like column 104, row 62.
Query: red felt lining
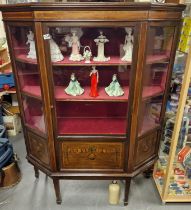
column 91, row 125
column 61, row 95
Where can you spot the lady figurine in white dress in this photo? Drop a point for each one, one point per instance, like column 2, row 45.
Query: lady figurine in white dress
column 31, row 42
column 128, row 45
column 100, row 41
column 75, row 44
column 55, row 51
column 74, row 88
column 114, row 88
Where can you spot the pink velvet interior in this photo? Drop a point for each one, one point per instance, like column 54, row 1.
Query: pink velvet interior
column 62, row 75
column 91, row 126
column 60, row 94
column 87, row 117
column 91, row 118
column 114, row 60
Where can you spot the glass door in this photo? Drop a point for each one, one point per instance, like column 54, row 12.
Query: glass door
column 26, row 64
column 91, row 71
column 158, row 54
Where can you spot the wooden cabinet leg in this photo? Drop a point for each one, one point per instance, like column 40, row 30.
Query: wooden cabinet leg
column 57, row 190
column 148, row 173
column 36, row 171
column 127, row 186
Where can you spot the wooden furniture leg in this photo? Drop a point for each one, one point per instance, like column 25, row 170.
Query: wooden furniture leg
column 36, row 171
column 57, row 190
column 127, row 186
column 148, row 173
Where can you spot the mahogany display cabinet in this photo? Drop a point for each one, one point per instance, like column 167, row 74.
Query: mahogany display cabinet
column 85, row 137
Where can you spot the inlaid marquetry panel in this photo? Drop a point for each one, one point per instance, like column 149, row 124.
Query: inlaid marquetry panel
column 38, row 148
column 96, row 155
column 146, row 148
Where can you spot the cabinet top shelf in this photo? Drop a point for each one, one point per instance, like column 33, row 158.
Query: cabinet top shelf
column 80, row 11
column 93, row 5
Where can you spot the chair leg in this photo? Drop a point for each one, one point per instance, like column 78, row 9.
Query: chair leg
column 127, row 186
column 57, row 190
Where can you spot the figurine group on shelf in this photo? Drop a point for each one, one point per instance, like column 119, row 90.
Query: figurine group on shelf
column 74, row 43
column 74, row 88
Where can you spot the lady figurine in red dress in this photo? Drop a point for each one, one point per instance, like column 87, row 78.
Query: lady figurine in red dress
column 94, row 81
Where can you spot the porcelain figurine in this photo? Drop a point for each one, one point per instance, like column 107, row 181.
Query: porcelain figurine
column 128, row 45
column 74, row 88
column 94, row 81
column 100, row 42
column 55, row 51
column 75, row 44
column 87, row 54
column 114, row 88
column 31, row 43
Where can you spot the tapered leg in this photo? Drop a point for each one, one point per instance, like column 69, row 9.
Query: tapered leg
column 57, row 190
column 36, row 171
column 127, row 186
column 148, row 173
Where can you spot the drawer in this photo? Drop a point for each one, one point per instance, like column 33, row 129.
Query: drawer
column 92, row 155
column 38, row 148
column 146, row 148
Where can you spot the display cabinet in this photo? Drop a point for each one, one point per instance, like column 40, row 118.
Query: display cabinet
column 92, row 82
column 172, row 172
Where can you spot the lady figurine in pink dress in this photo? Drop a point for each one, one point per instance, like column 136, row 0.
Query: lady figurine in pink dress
column 75, row 44
column 94, row 81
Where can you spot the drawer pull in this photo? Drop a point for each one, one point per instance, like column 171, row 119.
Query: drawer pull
column 91, row 157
